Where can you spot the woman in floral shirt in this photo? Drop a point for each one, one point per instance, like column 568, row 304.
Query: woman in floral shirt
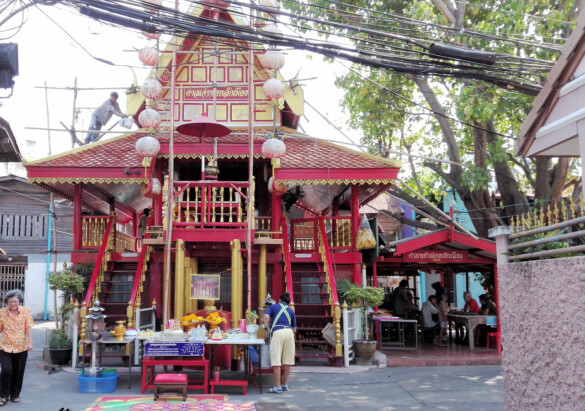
column 15, row 342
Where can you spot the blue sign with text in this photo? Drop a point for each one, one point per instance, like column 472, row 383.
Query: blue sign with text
column 173, row 349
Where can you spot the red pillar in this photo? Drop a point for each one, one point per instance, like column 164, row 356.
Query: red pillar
column 355, row 224
column 375, row 278
column 77, row 229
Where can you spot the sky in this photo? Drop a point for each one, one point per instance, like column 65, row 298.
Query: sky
column 56, row 45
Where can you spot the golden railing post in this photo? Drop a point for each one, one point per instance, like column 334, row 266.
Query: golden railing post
column 137, row 306
column 82, row 314
column 337, row 324
column 129, row 313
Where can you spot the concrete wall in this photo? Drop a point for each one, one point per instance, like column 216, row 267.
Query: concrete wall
column 34, row 284
column 543, row 323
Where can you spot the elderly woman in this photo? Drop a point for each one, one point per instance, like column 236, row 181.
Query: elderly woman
column 15, row 342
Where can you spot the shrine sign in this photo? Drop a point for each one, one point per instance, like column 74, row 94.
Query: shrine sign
column 435, row 256
column 173, row 349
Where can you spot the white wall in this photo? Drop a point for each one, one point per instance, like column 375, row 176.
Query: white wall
column 34, row 284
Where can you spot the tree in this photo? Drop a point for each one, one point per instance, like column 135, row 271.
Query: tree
column 467, row 121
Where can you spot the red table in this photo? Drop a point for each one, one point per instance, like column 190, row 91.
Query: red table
column 149, row 363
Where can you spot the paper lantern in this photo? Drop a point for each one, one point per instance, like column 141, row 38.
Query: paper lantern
column 277, row 187
column 152, row 36
column 149, row 118
column 147, row 146
column 148, row 56
column 273, row 148
column 273, row 30
column 151, row 89
column 273, row 89
column 272, row 60
column 271, row 4
column 151, row 189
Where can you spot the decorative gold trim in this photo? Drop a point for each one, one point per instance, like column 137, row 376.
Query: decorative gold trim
column 337, row 181
column 209, row 156
column 86, row 180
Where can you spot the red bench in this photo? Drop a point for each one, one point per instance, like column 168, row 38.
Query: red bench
column 174, row 383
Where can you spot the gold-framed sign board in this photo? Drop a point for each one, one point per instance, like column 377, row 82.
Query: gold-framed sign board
column 205, row 286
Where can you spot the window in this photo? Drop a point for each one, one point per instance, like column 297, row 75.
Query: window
column 15, row 226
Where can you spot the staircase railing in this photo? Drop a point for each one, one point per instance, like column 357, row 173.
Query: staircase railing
column 330, row 276
column 100, row 267
column 287, row 265
column 139, row 278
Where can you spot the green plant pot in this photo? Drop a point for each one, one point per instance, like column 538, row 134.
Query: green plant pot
column 60, row 356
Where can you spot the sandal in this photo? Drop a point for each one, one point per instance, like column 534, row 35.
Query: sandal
column 15, row 399
column 275, row 390
column 3, row 402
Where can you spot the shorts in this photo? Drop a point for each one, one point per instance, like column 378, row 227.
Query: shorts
column 443, row 324
column 282, row 347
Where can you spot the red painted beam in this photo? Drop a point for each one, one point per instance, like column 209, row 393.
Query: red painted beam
column 85, row 172
column 421, row 242
column 480, row 243
column 352, row 174
column 208, row 235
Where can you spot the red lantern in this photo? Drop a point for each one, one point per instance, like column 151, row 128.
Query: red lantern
column 277, row 187
column 151, row 89
column 151, row 189
column 273, row 89
column 272, row 60
column 148, row 56
column 149, row 118
column 273, row 148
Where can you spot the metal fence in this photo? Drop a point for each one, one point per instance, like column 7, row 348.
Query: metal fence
column 11, row 277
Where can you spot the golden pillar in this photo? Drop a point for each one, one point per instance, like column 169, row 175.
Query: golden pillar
column 179, row 279
column 187, row 285
column 194, row 270
column 261, row 275
column 237, row 291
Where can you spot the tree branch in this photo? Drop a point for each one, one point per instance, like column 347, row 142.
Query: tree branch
column 447, row 10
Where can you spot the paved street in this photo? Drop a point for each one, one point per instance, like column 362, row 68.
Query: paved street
column 409, row 388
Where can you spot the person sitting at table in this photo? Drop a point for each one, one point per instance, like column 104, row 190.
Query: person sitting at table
column 471, row 305
column 400, row 303
column 488, row 307
column 443, row 321
column 430, row 314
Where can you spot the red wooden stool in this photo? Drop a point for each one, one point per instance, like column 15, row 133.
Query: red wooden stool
column 175, row 383
column 233, row 383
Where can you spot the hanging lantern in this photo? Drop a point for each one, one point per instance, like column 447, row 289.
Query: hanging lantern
column 273, row 30
column 277, row 187
column 272, row 60
column 149, row 118
column 151, row 89
column 273, row 89
column 148, row 56
column 151, row 36
column 273, row 148
column 147, row 146
column 151, row 189
column 271, row 4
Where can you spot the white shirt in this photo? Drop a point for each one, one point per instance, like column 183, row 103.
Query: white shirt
column 427, row 310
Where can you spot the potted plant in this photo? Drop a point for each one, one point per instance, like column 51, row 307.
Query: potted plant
column 60, row 346
column 70, row 284
column 364, row 297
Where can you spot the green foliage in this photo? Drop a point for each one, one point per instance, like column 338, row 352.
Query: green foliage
column 366, row 297
column 70, row 284
column 58, row 340
column 392, row 112
column 342, row 287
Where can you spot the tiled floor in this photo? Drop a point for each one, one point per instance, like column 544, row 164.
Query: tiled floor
column 432, row 355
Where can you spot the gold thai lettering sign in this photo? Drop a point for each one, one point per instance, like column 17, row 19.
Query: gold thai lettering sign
column 223, row 93
column 435, row 256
